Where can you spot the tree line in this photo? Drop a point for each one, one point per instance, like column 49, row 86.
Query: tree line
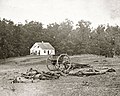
column 17, row 39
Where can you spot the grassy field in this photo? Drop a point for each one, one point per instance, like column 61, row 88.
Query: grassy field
column 98, row 85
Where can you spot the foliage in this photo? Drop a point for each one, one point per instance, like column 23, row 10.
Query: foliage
column 17, row 39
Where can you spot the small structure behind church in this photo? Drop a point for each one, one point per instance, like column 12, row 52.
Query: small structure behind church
column 42, row 48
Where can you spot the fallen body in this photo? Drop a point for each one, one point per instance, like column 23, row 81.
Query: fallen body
column 90, row 71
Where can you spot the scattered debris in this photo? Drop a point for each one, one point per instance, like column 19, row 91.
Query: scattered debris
column 85, row 83
column 105, row 61
column 78, row 66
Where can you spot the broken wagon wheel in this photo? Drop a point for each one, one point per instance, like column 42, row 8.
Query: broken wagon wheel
column 63, row 62
column 51, row 63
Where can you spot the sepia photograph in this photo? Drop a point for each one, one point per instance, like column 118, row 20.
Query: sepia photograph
column 59, row 47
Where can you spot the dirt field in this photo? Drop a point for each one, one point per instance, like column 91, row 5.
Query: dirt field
column 98, row 85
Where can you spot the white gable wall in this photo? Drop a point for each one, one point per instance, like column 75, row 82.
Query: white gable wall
column 35, row 50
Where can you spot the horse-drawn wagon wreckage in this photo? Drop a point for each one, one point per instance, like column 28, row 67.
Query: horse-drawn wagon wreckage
column 60, row 66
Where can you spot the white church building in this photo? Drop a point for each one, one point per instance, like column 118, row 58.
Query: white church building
column 42, row 48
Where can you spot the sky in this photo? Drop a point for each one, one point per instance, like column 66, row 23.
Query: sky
column 50, row 11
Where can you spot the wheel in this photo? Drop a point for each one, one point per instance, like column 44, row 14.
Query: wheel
column 50, row 66
column 63, row 62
